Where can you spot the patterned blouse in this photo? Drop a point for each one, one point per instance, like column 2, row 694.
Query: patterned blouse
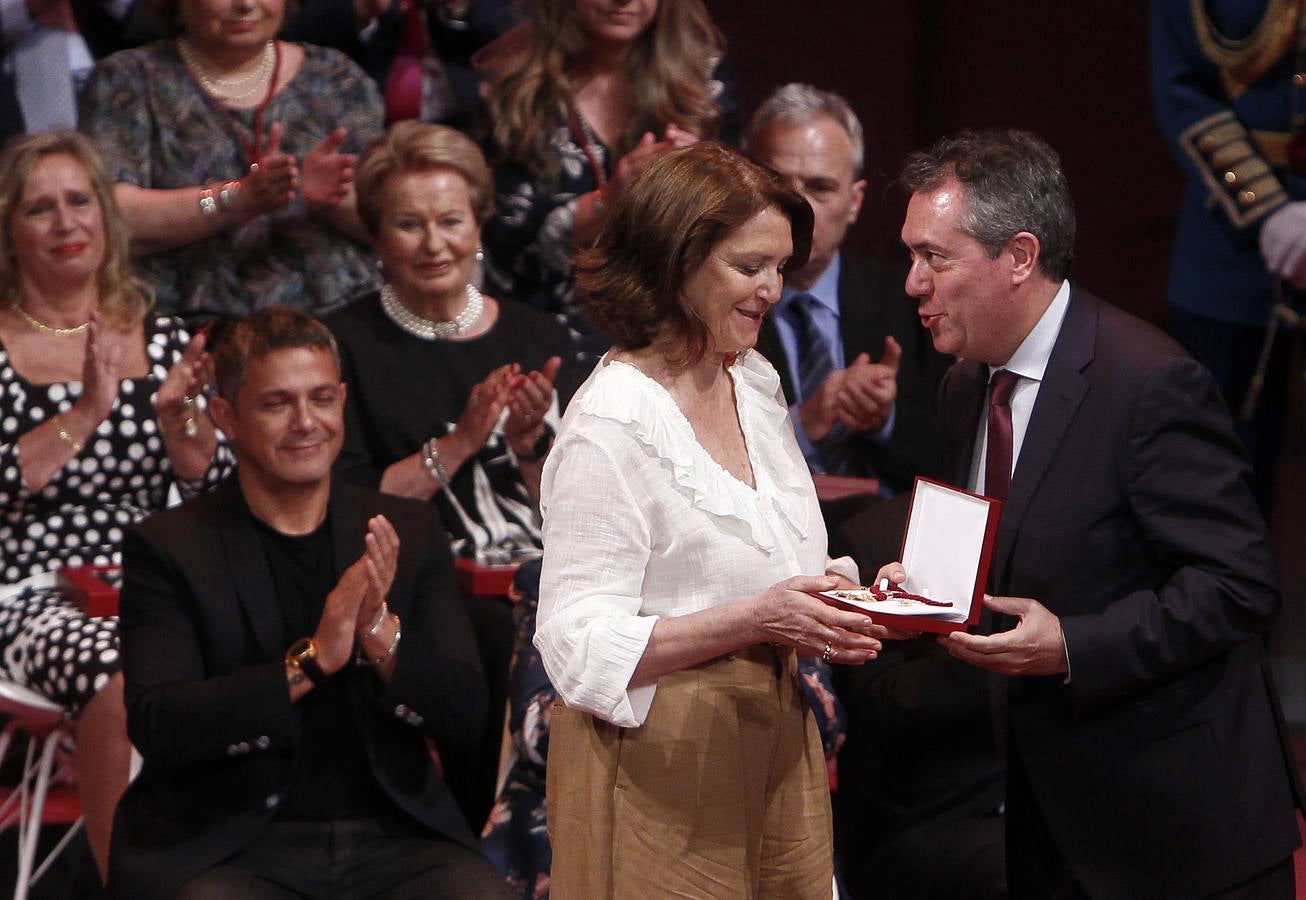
column 528, row 242
column 122, row 475
column 158, row 129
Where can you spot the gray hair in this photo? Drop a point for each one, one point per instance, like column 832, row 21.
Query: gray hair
column 798, row 104
column 1014, row 183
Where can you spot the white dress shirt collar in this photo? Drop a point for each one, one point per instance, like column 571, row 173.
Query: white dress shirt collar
column 1031, row 358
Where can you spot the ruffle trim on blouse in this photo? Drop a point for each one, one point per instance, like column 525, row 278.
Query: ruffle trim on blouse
column 624, row 394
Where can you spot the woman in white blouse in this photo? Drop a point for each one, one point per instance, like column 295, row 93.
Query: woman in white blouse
column 683, row 542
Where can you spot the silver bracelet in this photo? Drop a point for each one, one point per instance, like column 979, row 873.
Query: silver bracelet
column 431, row 459
column 208, row 206
column 394, row 644
column 227, row 195
column 376, row 626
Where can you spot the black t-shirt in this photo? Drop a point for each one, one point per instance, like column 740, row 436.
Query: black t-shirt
column 331, row 778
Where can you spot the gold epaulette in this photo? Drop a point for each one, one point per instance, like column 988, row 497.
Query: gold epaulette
column 1242, row 62
column 1239, row 178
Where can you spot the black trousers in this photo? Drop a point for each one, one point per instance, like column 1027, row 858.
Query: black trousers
column 348, row 859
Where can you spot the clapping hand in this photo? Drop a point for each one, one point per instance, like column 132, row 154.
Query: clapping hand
column 174, row 405
column 648, row 149
column 336, row 629
column 530, row 398
column 485, row 406
column 381, row 559
column 270, row 185
column 868, row 391
column 328, row 174
column 819, row 412
column 101, row 368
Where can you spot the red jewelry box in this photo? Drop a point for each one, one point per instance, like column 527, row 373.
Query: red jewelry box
column 946, row 550
column 85, row 586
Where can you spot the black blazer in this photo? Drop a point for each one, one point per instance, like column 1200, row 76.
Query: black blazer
column 207, row 702
column 1162, row 769
column 872, row 305
column 11, row 115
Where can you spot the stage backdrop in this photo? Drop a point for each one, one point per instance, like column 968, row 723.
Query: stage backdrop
column 1075, row 73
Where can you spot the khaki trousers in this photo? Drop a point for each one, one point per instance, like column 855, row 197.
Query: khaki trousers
column 722, row 793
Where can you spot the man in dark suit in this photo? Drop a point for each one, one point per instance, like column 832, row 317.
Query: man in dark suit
column 1145, row 749
column 289, row 645
column 852, row 416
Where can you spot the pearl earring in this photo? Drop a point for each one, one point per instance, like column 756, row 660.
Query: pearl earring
column 480, row 255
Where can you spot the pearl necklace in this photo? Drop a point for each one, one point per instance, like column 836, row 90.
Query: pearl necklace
column 228, row 89
column 424, row 328
column 50, row 329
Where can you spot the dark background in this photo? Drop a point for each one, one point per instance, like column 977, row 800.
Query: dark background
column 1075, row 73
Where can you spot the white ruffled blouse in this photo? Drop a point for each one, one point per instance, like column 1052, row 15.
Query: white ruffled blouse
column 640, row 522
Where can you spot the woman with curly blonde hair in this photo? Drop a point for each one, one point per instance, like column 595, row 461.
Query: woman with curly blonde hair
column 101, row 418
column 582, row 97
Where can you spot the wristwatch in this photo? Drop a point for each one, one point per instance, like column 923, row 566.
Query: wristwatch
column 302, row 655
column 539, row 448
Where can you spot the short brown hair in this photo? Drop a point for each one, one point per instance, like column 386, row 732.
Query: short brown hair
column 258, row 334
column 663, row 227
column 410, row 147
column 123, row 298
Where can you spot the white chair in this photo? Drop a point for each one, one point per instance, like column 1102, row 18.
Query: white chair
column 47, row 730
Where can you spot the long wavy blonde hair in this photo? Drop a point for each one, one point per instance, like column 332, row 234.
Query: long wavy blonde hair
column 123, row 298
column 531, row 87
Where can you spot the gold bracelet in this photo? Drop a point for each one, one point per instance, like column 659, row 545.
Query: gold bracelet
column 65, row 436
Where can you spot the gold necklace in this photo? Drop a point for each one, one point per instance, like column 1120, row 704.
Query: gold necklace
column 50, row 329
column 228, row 89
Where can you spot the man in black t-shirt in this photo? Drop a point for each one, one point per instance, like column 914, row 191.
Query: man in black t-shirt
column 290, row 646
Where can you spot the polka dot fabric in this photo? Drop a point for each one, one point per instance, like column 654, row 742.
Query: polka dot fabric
column 121, row 475
column 55, row 650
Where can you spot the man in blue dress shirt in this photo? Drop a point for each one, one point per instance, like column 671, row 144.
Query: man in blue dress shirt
column 858, row 370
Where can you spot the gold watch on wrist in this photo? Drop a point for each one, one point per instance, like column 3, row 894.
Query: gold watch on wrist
column 302, row 655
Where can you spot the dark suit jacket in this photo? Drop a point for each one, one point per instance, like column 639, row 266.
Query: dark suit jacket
column 11, row 115
column 207, row 702
column 1162, row 769
column 920, row 780
column 872, row 305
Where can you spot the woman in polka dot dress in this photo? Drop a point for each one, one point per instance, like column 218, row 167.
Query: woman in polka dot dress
column 98, row 419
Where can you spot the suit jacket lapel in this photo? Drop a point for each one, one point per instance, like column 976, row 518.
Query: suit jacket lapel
column 248, row 565
column 1059, row 397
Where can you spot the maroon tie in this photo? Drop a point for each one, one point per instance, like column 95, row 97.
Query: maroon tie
column 997, row 465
